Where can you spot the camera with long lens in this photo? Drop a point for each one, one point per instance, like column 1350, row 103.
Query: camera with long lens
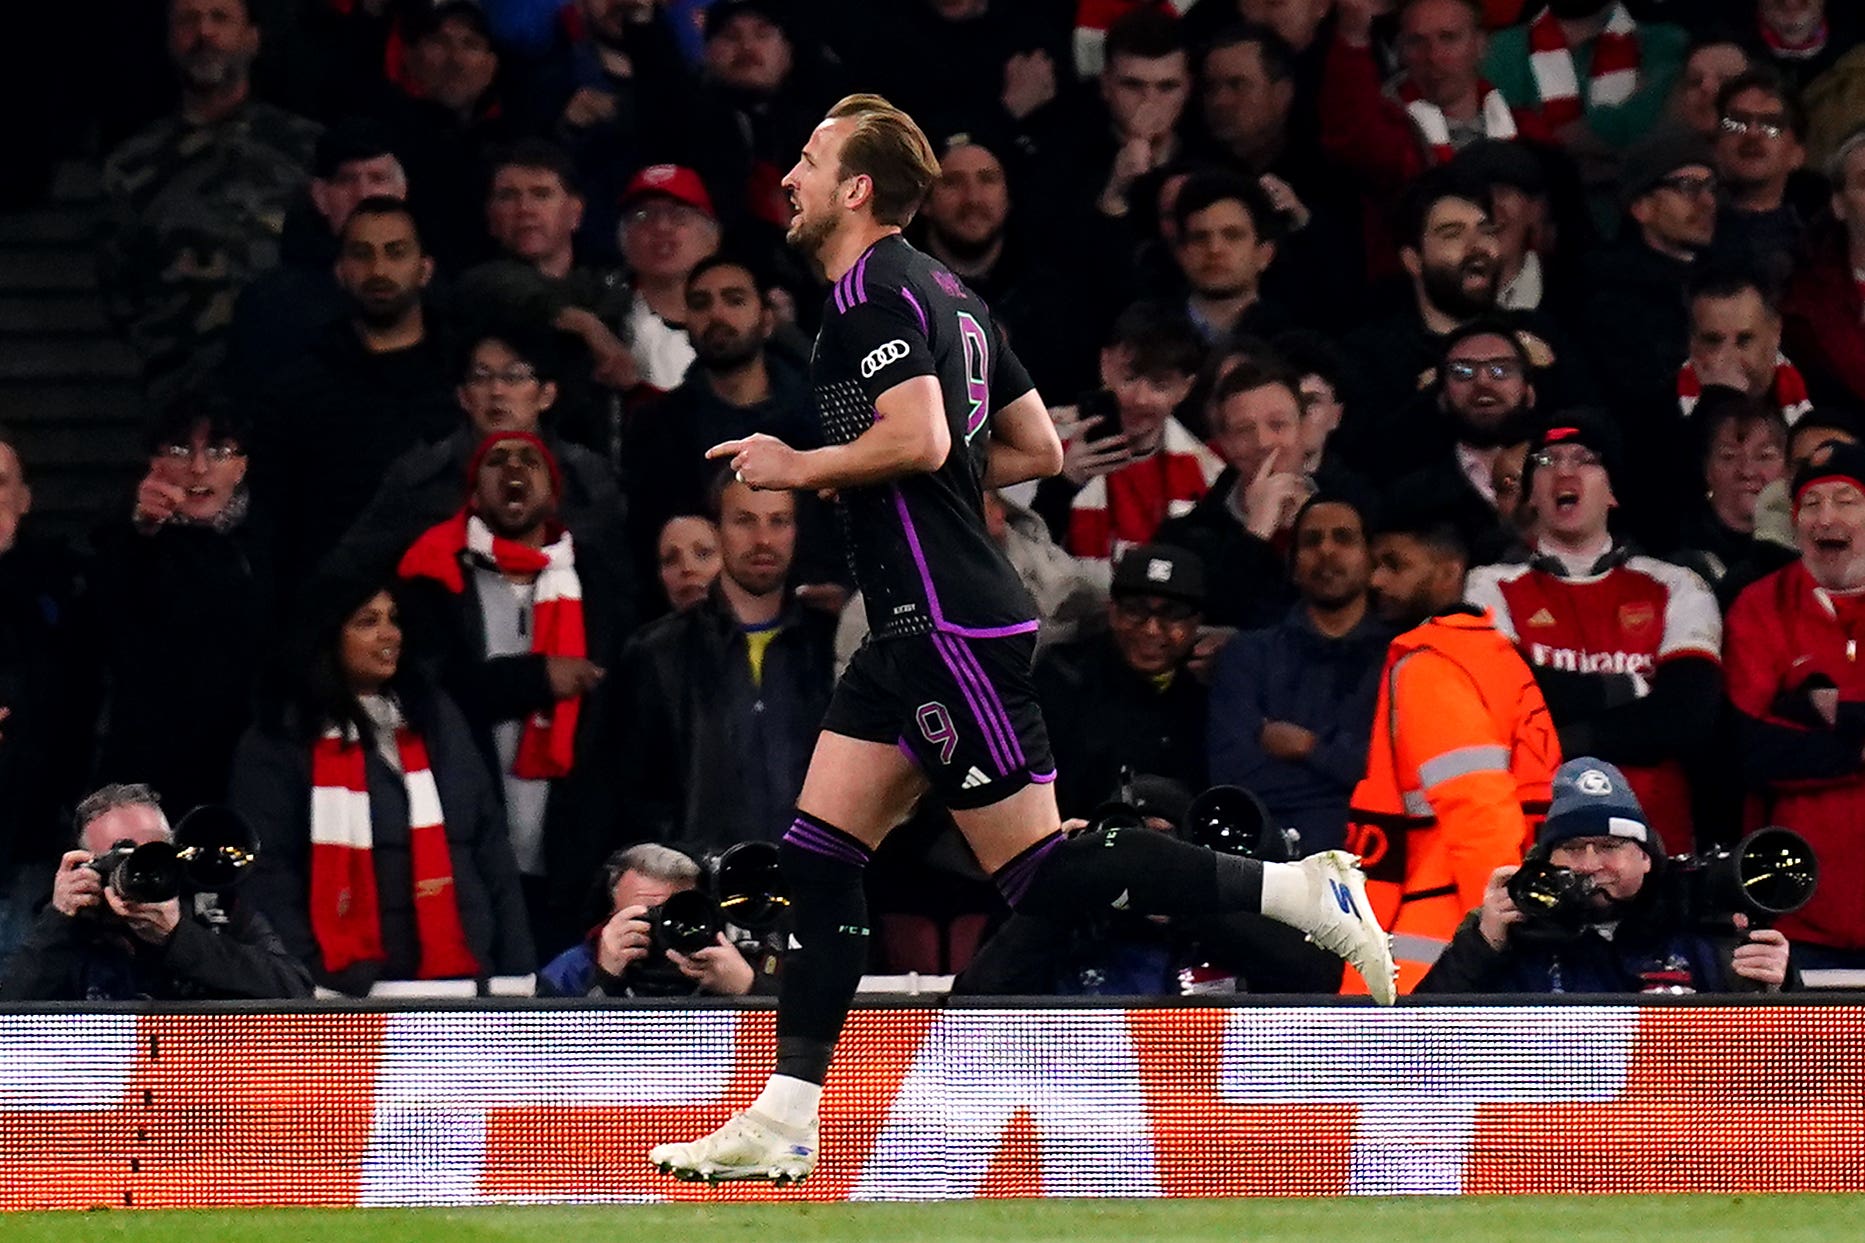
column 1770, row 873
column 741, row 887
column 210, row 850
column 1233, row 821
column 1556, row 902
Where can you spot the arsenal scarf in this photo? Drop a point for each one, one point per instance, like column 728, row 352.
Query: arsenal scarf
column 1612, row 79
column 344, row 915
column 547, row 748
column 1790, row 389
column 1435, row 128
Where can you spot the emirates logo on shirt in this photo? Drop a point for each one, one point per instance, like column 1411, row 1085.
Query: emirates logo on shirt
column 1568, row 660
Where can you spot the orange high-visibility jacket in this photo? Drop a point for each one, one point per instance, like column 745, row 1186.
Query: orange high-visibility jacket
column 1457, row 777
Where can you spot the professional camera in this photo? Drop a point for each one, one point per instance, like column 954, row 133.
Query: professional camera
column 211, row 849
column 1233, row 821
column 742, row 886
column 1770, row 873
column 1556, row 902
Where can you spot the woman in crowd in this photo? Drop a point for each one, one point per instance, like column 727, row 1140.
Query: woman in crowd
column 1744, row 449
column 688, row 553
column 383, row 850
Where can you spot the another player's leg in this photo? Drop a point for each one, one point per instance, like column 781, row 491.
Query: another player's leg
column 1043, row 873
column 855, row 792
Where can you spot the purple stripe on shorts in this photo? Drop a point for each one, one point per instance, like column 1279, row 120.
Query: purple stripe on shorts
column 1043, row 779
column 993, row 702
column 919, row 556
column 915, row 304
column 992, row 632
column 1014, row 878
column 860, row 286
column 999, row 756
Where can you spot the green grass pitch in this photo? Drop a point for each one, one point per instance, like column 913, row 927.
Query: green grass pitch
column 1646, row 1219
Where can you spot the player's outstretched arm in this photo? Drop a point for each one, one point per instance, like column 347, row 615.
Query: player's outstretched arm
column 1024, row 444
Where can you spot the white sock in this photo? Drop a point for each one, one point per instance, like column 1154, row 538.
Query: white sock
column 1285, row 894
column 790, row 1101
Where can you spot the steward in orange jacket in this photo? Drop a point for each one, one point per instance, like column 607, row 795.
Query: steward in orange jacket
column 1461, row 760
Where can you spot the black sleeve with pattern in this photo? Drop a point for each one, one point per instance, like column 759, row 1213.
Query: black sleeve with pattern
column 1009, row 379
column 883, row 339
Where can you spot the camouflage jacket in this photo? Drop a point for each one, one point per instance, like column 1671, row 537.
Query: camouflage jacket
column 195, row 213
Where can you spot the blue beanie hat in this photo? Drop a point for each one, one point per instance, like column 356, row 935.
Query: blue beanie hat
column 1593, row 799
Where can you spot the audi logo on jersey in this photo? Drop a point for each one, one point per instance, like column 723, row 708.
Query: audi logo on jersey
column 881, row 355
column 1569, row 660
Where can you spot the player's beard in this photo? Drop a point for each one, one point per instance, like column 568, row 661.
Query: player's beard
column 809, row 234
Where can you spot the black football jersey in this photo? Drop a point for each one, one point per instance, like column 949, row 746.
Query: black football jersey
column 918, row 544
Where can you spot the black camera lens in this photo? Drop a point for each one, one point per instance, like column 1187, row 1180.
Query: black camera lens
column 1776, row 870
column 149, row 874
column 750, row 884
column 688, row 922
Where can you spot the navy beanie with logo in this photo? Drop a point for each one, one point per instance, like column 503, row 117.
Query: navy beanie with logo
column 1593, row 799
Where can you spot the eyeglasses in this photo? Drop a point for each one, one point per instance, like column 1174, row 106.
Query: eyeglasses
column 666, row 213
column 1772, row 125
column 1690, row 187
column 1565, row 459
column 222, row 452
column 511, row 377
column 1140, row 610
column 1466, row 370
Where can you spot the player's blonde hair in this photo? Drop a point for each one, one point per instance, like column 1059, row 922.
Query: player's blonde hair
column 892, row 151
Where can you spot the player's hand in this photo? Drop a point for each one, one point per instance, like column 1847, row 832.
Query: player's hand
column 1763, row 957
column 154, row 922
column 76, row 886
column 762, row 461
column 830, row 598
column 157, row 500
column 1029, row 82
column 1272, row 499
column 1084, row 459
column 570, row 676
column 623, row 941
column 1499, row 910
column 1287, row 741
column 719, row 969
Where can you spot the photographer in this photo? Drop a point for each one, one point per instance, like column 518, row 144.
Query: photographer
column 618, row 958
column 91, row 944
column 1628, row 937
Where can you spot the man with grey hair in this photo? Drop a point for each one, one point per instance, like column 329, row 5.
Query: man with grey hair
column 93, row 944
column 1823, row 312
column 617, row 958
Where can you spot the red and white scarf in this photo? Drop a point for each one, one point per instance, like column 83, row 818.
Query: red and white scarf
column 1093, row 17
column 1805, row 49
column 1611, row 80
column 1790, row 389
column 1435, row 128
column 547, row 748
column 344, row 914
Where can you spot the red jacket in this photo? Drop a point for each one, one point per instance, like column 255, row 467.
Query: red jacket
column 1782, row 631
column 1823, row 322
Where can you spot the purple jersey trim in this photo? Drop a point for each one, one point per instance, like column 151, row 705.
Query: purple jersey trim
column 991, row 632
column 1043, row 779
column 915, row 304
column 932, row 597
column 860, row 286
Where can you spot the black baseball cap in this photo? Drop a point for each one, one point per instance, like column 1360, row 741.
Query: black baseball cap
column 1160, row 570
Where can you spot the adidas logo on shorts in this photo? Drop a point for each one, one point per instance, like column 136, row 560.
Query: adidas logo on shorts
column 974, row 779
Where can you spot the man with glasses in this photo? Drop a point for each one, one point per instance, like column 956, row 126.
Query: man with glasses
column 668, row 226
column 508, row 383
column 1627, row 649
column 1760, row 147
column 1482, row 406
column 1126, row 699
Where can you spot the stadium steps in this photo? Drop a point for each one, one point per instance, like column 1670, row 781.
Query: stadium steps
column 68, row 385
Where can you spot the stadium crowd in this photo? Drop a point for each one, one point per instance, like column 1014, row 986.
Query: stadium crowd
column 1348, row 311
